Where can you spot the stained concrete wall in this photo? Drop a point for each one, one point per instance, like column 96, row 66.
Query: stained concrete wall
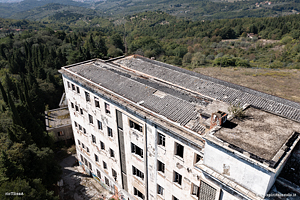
column 241, row 171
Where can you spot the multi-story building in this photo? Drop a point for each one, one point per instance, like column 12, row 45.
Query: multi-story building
column 149, row 130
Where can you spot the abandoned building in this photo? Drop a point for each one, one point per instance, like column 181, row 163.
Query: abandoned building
column 149, row 130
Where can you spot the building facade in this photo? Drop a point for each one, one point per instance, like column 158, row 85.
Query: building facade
column 147, row 130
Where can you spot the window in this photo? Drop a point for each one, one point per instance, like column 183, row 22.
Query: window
column 84, row 131
column 137, row 150
column 112, row 153
column 90, row 166
column 90, row 119
column 80, row 127
column 197, row 158
column 135, row 126
column 102, row 145
column 60, row 133
column 94, row 139
column 68, row 84
column 81, row 157
column 160, row 190
column 106, row 181
column 104, row 165
column 77, row 89
column 82, row 145
column 177, row 178
column 174, row 198
column 97, row 104
column 206, row 191
column 76, row 108
column 137, row 173
column 98, row 174
column 72, row 105
column 87, row 149
column 81, row 111
column 160, row 166
column 178, row 150
column 107, row 108
column 161, row 139
column 109, row 132
column 87, row 96
column 99, row 125
column 78, row 142
column 96, row 158
column 75, row 124
column 114, row 174
column 195, row 190
column 73, row 87
column 136, row 192
column 85, row 162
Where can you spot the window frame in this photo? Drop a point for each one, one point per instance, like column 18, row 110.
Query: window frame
column 107, row 108
column 177, row 150
column 177, row 178
column 160, row 166
column 136, row 149
column 161, row 139
column 109, row 132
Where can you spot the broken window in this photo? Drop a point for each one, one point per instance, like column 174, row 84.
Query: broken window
column 87, row 149
column 112, row 153
column 102, row 145
column 75, row 124
column 94, row 139
column 98, row 174
column 73, row 87
column 135, row 126
column 160, row 190
column 84, row 131
column 197, row 158
column 90, row 166
column 80, row 127
column 97, row 104
column 177, row 178
column 137, row 150
column 161, row 139
column 90, row 119
column 104, row 165
column 160, row 166
column 87, row 96
column 137, row 173
column 68, row 84
column 82, row 145
column 107, row 108
column 81, row 111
column 72, row 105
column 174, row 198
column 85, row 162
column 81, row 157
column 76, row 108
column 96, row 158
column 195, row 190
column 106, row 181
column 136, row 192
column 78, row 142
column 77, row 89
column 109, row 132
column 114, row 174
column 178, row 150
column 99, row 125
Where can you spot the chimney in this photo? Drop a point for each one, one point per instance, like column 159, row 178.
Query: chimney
column 218, row 118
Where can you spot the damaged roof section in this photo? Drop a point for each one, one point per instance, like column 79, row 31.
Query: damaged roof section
column 211, row 87
column 174, row 103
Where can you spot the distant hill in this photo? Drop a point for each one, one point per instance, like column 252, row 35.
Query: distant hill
column 189, row 9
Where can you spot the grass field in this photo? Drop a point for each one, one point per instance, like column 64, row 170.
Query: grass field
column 281, row 83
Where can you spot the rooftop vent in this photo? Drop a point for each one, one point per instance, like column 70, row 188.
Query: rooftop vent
column 218, row 118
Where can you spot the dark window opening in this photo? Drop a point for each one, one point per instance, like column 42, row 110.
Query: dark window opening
column 87, row 149
column 107, row 108
column 109, row 132
column 198, row 158
column 73, row 87
column 94, row 139
column 136, row 192
column 179, row 150
column 137, row 150
column 68, row 84
column 97, row 104
column 96, row 158
column 90, row 166
column 85, row 162
column 177, row 178
column 98, row 174
column 82, row 145
column 77, row 89
column 135, row 126
column 104, row 165
column 84, row 131
column 114, row 174
column 112, row 153
column 90, row 119
column 81, row 157
column 78, row 142
column 60, row 133
column 106, row 181
column 102, row 145
column 72, row 105
column 87, row 97
column 195, row 190
column 160, row 190
column 81, row 111
column 75, row 124
column 137, row 173
column 80, row 127
column 161, row 140
column 160, row 166
column 99, row 125
column 174, row 198
column 76, row 108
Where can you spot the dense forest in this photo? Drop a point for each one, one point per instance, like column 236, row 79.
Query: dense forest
column 32, row 52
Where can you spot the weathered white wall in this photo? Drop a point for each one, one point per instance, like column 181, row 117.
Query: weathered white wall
column 246, row 174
